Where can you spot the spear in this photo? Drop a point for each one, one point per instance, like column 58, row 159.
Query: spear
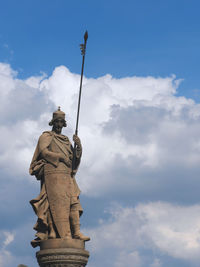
column 83, row 50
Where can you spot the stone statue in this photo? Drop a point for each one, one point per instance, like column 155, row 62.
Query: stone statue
column 58, row 206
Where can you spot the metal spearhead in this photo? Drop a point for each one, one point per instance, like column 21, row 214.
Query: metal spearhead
column 86, row 36
column 83, row 46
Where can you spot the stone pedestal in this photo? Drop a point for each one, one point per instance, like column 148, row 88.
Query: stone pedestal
column 62, row 253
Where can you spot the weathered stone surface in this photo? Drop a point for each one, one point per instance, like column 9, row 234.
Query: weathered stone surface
column 62, row 257
column 55, row 163
column 62, row 243
column 58, row 253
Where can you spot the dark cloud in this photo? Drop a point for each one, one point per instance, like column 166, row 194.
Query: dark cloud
column 135, row 124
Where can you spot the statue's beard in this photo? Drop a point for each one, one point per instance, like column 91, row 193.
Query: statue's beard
column 57, row 129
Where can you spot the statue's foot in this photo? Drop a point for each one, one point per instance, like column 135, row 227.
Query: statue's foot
column 81, row 237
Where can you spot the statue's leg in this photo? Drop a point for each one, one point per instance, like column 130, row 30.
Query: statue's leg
column 75, row 221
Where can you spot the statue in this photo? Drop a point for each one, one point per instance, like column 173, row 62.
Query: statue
column 58, row 206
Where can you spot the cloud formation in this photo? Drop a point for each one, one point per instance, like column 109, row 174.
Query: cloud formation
column 141, row 144
column 5, row 255
column 159, row 227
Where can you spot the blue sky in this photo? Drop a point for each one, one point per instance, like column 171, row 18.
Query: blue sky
column 139, row 124
column 126, row 38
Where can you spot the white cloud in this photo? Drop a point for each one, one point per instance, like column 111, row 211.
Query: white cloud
column 162, row 228
column 174, row 230
column 5, row 255
column 9, row 237
column 130, row 127
column 139, row 139
column 137, row 119
column 128, row 259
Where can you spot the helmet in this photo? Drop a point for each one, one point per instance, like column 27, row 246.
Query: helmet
column 58, row 114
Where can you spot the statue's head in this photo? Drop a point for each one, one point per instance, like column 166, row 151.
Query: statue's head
column 58, row 121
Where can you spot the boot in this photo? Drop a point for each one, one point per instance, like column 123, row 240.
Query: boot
column 78, row 234
column 74, row 216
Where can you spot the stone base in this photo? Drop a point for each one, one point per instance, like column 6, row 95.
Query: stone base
column 62, row 253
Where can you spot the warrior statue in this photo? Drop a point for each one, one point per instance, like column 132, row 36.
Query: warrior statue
column 58, row 206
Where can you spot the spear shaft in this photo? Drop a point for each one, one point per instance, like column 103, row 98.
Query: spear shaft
column 83, row 50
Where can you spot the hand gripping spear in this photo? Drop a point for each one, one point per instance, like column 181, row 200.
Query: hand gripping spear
column 83, row 50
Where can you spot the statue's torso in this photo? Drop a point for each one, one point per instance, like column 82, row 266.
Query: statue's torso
column 54, row 147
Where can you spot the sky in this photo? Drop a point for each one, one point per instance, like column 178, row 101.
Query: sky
column 139, row 124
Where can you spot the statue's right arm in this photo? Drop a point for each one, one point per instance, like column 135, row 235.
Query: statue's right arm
column 51, row 157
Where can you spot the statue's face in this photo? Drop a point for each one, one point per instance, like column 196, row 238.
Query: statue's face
column 58, row 125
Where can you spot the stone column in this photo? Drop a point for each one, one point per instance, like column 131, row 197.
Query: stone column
column 62, row 253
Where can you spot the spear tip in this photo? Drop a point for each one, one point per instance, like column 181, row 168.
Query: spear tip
column 86, row 36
